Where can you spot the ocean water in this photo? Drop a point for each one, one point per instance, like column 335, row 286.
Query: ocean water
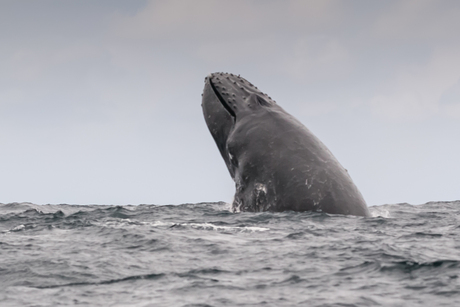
column 205, row 255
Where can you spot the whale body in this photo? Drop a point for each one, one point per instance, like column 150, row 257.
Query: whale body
column 276, row 162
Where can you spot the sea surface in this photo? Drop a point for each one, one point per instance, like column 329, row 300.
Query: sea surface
column 205, row 255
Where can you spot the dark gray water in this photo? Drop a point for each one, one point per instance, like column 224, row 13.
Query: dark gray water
column 204, row 255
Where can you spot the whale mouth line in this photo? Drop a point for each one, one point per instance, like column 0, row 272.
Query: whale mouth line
column 222, row 100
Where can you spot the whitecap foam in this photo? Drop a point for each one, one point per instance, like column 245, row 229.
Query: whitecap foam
column 379, row 211
column 128, row 223
column 209, row 226
column 15, row 229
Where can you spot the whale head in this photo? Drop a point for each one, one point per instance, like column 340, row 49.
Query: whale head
column 228, row 99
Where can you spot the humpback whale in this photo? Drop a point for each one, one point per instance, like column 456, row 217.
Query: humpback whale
column 277, row 164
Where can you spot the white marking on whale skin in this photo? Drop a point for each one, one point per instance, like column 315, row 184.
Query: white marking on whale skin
column 315, row 203
column 238, row 203
column 260, row 187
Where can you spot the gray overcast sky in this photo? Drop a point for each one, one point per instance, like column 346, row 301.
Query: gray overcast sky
column 100, row 100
